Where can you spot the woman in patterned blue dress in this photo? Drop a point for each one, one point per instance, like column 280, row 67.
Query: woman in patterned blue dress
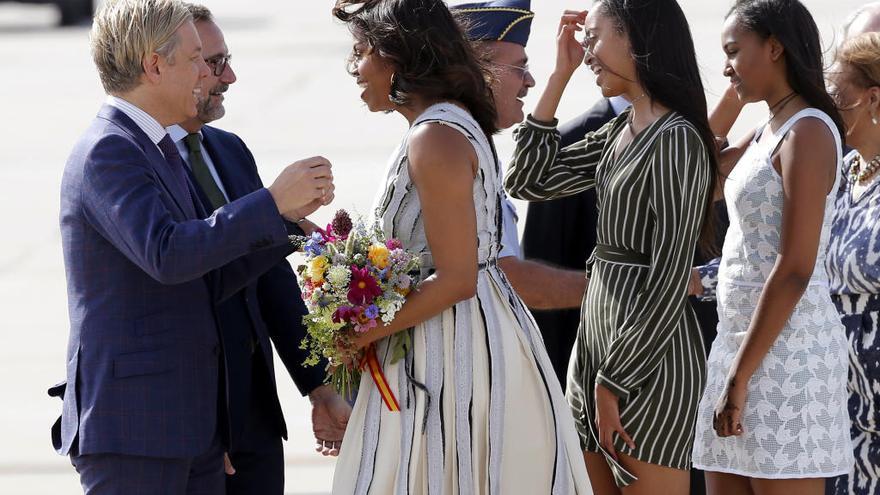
column 854, row 253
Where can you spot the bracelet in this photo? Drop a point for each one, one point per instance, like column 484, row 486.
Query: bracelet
column 722, row 142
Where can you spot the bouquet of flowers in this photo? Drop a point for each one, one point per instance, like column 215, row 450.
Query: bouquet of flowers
column 352, row 279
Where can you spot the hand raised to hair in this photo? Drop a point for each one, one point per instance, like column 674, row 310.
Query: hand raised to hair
column 569, row 51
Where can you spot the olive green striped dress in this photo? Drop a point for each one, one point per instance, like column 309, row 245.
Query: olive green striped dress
column 639, row 336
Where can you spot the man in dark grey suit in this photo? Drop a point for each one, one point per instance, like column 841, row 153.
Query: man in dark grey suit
column 271, row 309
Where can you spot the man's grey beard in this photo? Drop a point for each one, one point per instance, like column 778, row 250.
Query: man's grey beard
column 209, row 112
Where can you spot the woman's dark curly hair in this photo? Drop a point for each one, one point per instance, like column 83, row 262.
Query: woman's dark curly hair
column 433, row 59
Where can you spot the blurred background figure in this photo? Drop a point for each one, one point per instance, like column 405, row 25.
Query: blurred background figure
column 70, row 12
column 865, row 19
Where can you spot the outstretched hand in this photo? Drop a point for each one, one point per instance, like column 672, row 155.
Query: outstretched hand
column 303, row 187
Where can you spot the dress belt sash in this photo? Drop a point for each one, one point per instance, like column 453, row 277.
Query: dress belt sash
column 614, row 254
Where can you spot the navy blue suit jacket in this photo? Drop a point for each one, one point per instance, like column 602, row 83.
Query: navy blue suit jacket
column 269, row 309
column 144, row 273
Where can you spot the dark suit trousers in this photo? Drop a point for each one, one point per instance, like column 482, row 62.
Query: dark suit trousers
column 117, row 474
column 258, row 456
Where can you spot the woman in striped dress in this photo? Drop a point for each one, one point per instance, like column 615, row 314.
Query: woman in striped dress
column 480, row 409
column 637, row 372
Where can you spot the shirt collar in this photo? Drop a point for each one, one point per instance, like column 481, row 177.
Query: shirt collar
column 618, row 104
column 151, row 127
column 177, row 133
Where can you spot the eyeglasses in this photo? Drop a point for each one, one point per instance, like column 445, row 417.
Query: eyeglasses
column 521, row 70
column 218, row 64
column 588, row 43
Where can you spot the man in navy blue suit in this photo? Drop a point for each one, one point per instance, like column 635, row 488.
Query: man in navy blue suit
column 223, row 169
column 147, row 264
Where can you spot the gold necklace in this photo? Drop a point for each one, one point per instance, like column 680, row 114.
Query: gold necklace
column 863, row 175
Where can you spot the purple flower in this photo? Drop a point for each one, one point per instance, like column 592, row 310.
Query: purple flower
column 315, row 245
column 371, row 312
column 342, row 224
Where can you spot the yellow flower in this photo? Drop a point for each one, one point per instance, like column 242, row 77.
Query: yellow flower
column 317, row 267
column 378, row 255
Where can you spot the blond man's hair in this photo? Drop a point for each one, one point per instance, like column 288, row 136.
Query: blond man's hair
column 862, row 54
column 126, row 31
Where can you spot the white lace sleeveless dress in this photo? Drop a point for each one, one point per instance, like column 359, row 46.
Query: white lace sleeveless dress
column 795, row 422
column 481, row 409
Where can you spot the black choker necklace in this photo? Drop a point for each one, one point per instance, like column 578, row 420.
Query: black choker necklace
column 779, row 105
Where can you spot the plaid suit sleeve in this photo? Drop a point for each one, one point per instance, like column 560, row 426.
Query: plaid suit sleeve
column 123, row 200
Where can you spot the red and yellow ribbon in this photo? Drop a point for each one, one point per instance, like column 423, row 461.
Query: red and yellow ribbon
column 371, row 362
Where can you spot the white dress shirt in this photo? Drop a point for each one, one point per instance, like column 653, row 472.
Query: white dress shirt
column 618, row 104
column 151, row 127
column 509, row 234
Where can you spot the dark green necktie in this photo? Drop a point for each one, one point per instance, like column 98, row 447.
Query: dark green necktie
column 202, row 173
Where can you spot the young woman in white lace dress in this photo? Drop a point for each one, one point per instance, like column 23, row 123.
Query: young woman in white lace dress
column 480, row 409
column 773, row 417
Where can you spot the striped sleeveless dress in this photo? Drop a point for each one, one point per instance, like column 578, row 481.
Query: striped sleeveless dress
column 638, row 337
column 481, row 409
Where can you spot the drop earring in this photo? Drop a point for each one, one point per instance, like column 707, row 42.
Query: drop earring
column 391, row 90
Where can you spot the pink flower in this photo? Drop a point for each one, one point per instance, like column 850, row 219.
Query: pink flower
column 327, row 234
column 363, row 288
column 365, row 327
column 393, row 244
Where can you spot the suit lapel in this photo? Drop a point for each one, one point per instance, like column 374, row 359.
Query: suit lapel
column 224, row 160
column 155, row 158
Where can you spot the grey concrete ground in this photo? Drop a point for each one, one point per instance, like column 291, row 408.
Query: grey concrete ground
column 293, row 99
